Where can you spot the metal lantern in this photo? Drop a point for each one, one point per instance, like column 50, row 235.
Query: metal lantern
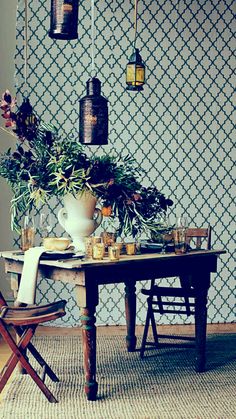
column 93, row 114
column 64, row 19
column 135, row 72
column 26, row 121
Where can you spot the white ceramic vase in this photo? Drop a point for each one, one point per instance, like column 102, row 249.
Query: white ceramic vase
column 79, row 217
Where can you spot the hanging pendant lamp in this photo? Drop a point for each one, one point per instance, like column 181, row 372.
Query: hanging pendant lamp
column 26, row 121
column 93, row 127
column 64, row 19
column 135, row 70
column 93, row 110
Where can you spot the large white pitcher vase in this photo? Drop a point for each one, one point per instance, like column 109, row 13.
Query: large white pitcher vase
column 79, row 217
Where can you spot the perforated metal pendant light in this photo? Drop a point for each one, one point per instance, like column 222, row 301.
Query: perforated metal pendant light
column 93, row 115
column 64, row 19
column 93, row 112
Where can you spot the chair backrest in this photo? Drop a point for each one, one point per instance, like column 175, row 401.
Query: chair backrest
column 199, row 234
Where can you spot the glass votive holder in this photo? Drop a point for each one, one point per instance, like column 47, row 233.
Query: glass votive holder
column 88, row 247
column 138, row 247
column 120, row 245
column 130, row 248
column 96, row 239
column 114, row 252
column 108, row 238
column 98, row 251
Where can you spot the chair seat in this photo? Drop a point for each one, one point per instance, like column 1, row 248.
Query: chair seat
column 22, row 316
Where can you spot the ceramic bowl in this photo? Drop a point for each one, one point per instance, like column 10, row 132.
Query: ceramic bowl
column 56, row 243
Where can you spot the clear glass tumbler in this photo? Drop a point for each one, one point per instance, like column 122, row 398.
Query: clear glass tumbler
column 28, row 233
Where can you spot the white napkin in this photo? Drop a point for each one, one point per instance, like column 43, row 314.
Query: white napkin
column 27, row 289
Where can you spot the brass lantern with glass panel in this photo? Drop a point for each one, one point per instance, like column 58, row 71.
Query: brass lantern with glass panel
column 135, row 72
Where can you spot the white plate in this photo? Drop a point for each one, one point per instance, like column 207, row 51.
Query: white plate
column 59, row 252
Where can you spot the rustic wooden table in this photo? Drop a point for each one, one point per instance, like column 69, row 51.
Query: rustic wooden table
column 87, row 275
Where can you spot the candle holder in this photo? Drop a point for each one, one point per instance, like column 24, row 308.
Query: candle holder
column 98, row 251
column 114, row 253
column 88, row 246
column 130, row 248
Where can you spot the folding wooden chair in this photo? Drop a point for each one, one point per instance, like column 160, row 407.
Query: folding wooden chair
column 173, row 300
column 25, row 320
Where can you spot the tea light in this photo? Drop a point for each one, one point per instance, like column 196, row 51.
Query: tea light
column 114, row 252
column 130, row 248
column 98, row 251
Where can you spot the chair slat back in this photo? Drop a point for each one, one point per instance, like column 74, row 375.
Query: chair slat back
column 199, row 234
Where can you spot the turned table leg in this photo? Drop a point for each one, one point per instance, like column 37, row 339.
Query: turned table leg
column 89, row 350
column 87, row 302
column 130, row 312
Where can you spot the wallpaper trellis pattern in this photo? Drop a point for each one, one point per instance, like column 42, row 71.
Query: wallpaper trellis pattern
column 180, row 128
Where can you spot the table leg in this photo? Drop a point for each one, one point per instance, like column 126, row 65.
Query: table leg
column 130, row 312
column 87, row 305
column 201, row 324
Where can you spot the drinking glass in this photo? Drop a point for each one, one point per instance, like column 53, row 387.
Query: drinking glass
column 179, row 235
column 181, row 222
column 164, row 227
column 27, row 232
column 45, row 224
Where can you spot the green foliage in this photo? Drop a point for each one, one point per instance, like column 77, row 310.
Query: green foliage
column 50, row 166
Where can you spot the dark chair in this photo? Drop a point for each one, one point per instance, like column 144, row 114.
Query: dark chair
column 24, row 321
column 181, row 299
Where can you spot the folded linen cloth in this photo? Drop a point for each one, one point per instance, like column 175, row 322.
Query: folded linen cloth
column 27, row 288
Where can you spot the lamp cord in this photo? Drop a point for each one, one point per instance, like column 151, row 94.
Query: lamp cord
column 135, row 21
column 26, row 47
column 93, row 72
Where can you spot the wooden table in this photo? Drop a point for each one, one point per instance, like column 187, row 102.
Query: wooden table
column 87, row 275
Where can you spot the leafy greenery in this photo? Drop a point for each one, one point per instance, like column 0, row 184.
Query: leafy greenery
column 46, row 165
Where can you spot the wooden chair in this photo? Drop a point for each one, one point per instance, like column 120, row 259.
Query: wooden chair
column 24, row 321
column 182, row 298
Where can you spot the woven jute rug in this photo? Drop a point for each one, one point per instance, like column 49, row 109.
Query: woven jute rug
column 163, row 385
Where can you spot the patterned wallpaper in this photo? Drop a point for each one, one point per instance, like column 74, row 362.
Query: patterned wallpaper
column 179, row 128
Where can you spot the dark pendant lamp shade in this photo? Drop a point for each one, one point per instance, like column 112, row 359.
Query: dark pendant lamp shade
column 93, row 115
column 135, row 72
column 26, row 121
column 64, row 19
